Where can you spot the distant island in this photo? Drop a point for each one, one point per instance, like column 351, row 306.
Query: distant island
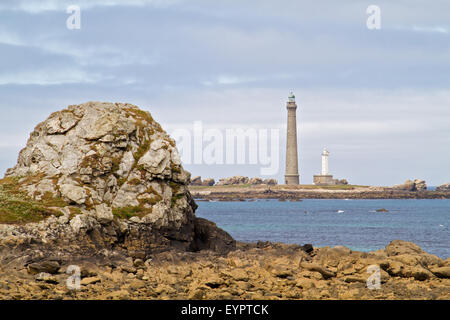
column 240, row 188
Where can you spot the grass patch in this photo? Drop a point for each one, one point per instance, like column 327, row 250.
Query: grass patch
column 134, row 182
column 176, row 194
column 17, row 208
column 330, row 187
column 140, row 114
column 142, row 149
column 131, row 211
column 116, row 164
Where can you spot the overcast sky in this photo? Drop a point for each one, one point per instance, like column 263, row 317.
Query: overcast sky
column 379, row 100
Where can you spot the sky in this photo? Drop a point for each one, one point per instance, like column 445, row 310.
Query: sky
column 377, row 99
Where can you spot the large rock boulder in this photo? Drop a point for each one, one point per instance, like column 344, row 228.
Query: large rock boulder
column 255, row 181
column 410, row 185
column 208, row 182
column 443, row 187
column 196, row 181
column 420, row 185
column 270, row 181
column 104, row 176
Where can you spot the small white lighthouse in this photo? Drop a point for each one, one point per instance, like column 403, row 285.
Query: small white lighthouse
column 325, row 155
column 325, row 178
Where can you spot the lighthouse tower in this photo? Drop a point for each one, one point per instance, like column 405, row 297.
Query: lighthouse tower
column 291, row 175
column 325, row 178
column 325, row 155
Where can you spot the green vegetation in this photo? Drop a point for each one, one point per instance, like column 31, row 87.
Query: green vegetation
column 142, row 149
column 151, row 201
column 116, row 164
column 175, row 198
column 140, row 114
column 227, row 186
column 121, row 181
column 130, row 211
column 331, row 187
column 134, row 182
column 175, row 169
column 17, row 208
column 176, row 194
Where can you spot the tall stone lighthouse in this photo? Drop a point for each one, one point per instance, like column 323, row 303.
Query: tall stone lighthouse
column 291, row 175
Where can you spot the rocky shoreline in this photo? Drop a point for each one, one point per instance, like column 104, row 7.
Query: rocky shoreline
column 99, row 197
column 297, row 193
column 253, row 271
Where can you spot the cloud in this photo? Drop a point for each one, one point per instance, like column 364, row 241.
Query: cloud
column 49, row 77
column 435, row 29
column 10, row 38
column 84, row 55
column 99, row 55
column 39, row 6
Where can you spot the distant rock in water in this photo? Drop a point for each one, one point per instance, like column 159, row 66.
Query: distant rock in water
column 114, row 178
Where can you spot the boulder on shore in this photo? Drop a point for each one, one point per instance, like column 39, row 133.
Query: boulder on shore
column 232, row 181
column 420, row 185
column 196, row 181
column 270, row 181
column 237, row 180
column 255, row 181
column 208, row 182
column 443, row 187
column 100, row 180
column 410, row 185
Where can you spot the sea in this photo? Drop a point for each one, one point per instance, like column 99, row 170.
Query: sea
column 330, row 222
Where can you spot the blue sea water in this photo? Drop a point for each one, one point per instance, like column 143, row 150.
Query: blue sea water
column 352, row 223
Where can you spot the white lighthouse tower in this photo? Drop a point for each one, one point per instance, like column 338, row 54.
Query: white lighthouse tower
column 325, row 154
column 325, row 178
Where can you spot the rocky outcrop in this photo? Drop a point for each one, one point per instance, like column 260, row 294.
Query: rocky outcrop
column 409, row 185
column 444, row 187
column 420, row 185
column 232, row 181
column 98, row 179
column 208, row 182
column 196, row 181
column 270, row 181
column 237, row 180
column 340, row 181
column 255, row 181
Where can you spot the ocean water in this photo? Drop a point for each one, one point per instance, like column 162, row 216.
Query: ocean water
column 352, row 223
